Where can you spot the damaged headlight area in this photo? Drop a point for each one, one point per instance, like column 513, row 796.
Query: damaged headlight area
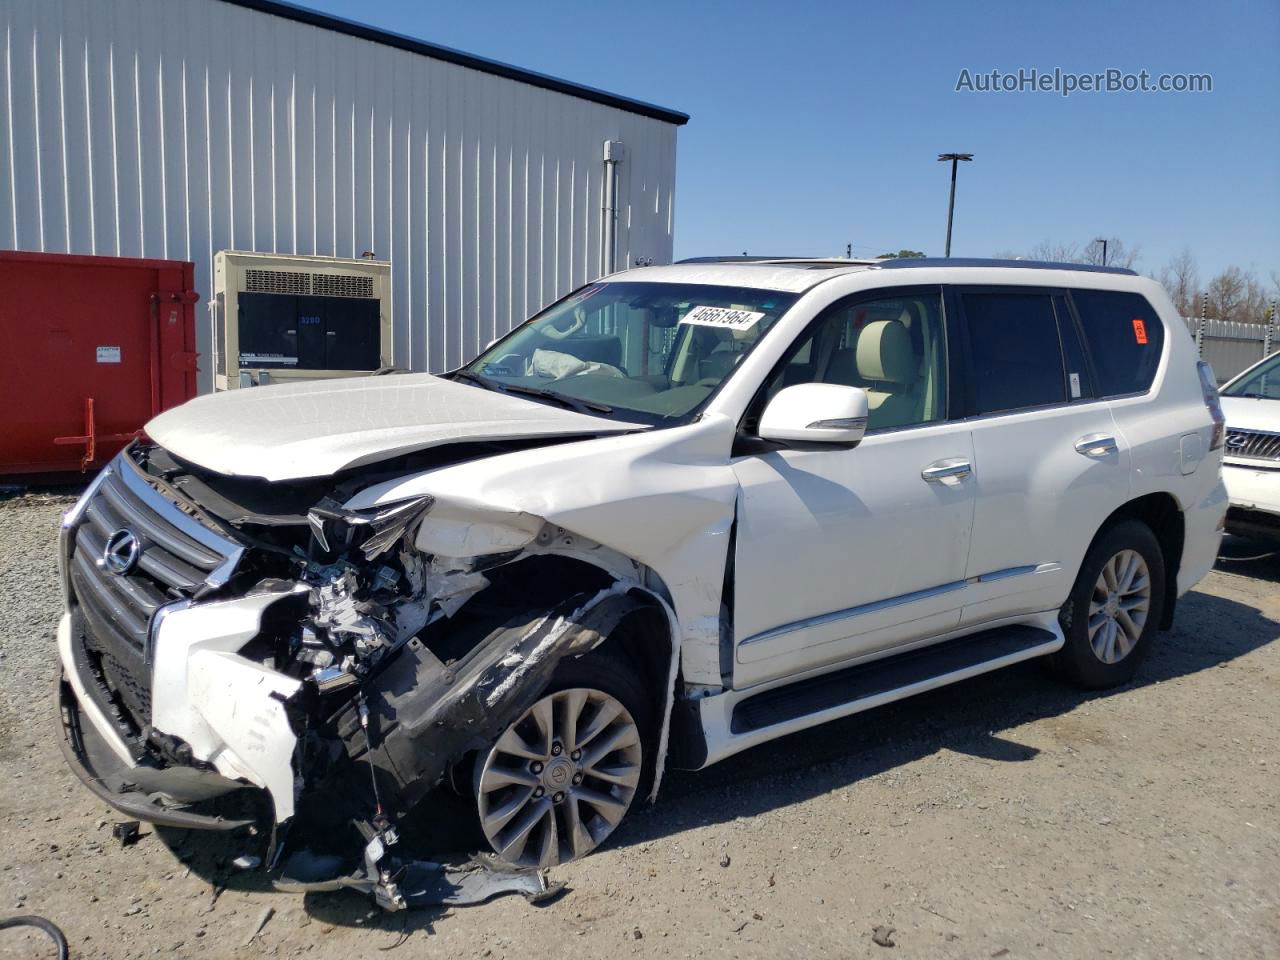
column 368, row 590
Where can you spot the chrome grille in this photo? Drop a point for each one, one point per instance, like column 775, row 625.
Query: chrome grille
column 1252, row 444
column 176, row 556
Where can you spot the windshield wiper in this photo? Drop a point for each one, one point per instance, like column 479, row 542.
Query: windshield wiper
column 475, row 378
column 573, row 403
column 1251, row 396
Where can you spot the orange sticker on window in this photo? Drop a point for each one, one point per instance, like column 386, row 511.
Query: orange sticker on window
column 1139, row 330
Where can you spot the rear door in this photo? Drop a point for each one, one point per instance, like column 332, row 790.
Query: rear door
column 1049, row 463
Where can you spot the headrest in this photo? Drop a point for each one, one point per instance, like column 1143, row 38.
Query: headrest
column 884, row 352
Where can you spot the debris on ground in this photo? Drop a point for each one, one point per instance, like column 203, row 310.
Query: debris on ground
column 883, row 936
column 126, row 831
column 263, row 919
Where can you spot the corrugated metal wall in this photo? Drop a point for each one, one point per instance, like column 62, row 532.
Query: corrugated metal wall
column 177, row 128
column 1231, row 346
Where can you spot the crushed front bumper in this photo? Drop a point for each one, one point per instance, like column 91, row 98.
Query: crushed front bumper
column 225, row 713
column 113, row 782
column 118, row 772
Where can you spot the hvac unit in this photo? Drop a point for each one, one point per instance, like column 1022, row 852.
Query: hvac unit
column 280, row 318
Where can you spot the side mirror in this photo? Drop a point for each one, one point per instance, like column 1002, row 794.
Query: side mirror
column 816, row 413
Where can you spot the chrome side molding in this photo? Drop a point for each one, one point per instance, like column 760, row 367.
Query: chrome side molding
column 877, row 605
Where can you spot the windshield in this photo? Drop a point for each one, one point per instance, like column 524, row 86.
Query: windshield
column 1262, row 382
column 649, row 352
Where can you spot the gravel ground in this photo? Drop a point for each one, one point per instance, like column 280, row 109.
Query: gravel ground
column 1008, row 816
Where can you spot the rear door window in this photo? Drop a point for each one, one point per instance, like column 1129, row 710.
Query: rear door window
column 1015, row 354
column 1124, row 336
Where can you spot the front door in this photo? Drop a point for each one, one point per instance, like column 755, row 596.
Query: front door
column 847, row 552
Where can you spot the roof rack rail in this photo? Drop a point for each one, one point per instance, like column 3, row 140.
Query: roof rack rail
column 906, row 262
column 733, row 259
column 784, row 261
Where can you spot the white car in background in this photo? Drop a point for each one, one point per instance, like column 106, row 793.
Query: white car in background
column 1251, row 461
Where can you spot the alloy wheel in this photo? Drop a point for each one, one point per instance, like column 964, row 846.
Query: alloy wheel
column 560, row 779
column 1119, row 606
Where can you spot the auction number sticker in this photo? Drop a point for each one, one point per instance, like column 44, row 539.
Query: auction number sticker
column 108, row 354
column 724, row 317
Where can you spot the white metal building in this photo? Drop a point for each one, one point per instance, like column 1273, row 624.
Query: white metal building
column 178, row 128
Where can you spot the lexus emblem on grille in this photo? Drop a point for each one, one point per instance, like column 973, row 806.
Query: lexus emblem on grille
column 1237, row 440
column 120, row 555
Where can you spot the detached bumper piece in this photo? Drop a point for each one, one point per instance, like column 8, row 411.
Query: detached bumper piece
column 399, row 885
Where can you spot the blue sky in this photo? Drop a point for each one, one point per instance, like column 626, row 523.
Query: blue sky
column 817, row 124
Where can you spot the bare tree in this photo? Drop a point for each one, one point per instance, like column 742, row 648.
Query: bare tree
column 1254, row 308
column 1181, row 278
column 1228, row 292
column 1118, row 253
column 1055, row 252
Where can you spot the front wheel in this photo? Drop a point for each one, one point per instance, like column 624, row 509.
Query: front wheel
column 1114, row 609
column 559, row 780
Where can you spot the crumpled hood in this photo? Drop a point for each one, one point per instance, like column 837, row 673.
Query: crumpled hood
column 314, row 429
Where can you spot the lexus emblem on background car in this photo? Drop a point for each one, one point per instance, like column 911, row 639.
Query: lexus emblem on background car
column 1236, row 440
column 120, row 555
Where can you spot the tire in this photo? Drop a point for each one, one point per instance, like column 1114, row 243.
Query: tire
column 1114, row 609
column 561, row 803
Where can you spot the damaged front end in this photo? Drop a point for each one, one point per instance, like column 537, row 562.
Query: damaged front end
column 223, row 642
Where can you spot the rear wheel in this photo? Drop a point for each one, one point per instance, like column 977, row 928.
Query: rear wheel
column 1114, row 609
column 559, row 780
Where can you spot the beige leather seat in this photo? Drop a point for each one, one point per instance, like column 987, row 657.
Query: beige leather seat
column 892, row 372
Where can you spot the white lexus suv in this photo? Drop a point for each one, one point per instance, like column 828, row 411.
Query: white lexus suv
column 682, row 511
column 1251, row 466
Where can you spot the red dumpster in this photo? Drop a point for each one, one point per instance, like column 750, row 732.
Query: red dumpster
column 91, row 348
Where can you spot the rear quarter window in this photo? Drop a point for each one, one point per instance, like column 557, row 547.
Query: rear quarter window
column 1124, row 336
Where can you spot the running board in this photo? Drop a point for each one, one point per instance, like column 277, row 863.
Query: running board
column 893, row 678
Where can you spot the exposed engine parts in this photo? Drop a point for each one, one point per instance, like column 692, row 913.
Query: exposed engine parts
column 344, row 663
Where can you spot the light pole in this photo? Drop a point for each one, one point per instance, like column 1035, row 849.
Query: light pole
column 1103, row 241
column 955, row 159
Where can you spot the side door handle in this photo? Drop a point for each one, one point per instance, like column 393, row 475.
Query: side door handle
column 940, row 470
column 1096, row 445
